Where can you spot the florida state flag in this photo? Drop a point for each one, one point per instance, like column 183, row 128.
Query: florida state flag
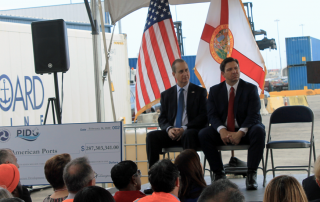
column 227, row 33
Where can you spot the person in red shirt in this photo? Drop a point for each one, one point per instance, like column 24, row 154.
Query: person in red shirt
column 126, row 177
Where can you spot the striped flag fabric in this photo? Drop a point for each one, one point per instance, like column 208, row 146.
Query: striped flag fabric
column 159, row 48
column 227, row 33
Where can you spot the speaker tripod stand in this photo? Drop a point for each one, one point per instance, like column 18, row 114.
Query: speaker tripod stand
column 55, row 103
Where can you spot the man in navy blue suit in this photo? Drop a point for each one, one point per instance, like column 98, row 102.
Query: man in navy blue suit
column 233, row 109
column 182, row 115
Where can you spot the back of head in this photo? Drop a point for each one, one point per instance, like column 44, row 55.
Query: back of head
column 15, row 199
column 191, row 173
column 284, row 188
column 4, row 154
column 53, row 169
column 222, row 190
column 122, row 173
column 5, row 193
column 77, row 174
column 317, row 168
column 93, row 193
column 10, row 177
column 163, row 175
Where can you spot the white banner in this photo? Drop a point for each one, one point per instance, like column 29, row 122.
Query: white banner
column 34, row 145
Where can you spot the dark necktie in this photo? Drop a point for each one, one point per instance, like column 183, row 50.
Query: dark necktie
column 180, row 109
column 230, row 119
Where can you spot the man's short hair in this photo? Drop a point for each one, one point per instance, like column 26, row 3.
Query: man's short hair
column 227, row 60
column 163, row 176
column 15, row 199
column 77, row 174
column 222, row 190
column 173, row 66
column 4, row 155
column 122, row 173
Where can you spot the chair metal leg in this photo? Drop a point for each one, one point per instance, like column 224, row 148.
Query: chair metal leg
column 274, row 174
column 314, row 152
column 310, row 153
column 204, row 164
column 168, row 155
column 164, row 155
column 265, row 169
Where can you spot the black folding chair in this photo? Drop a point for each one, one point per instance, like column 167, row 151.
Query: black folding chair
column 290, row 114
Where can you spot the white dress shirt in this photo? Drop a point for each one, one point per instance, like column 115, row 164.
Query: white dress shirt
column 235, row 86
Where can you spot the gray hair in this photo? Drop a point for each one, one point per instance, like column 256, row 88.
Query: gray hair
column 14, row 199
column 222, row 190
column 77, row 174
column 5, row 193
column 4, row 155
column 173, row 66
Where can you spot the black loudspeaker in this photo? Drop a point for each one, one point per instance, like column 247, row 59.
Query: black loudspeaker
column 313, row 72
column 50, row 46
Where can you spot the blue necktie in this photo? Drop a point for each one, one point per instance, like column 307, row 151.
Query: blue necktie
column 180, row 109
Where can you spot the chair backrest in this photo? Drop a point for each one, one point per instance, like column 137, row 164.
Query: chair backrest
column 291, row 114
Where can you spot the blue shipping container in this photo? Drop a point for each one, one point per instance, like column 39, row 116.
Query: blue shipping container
column 302, row 49
column 297, row 78
column 190, row 60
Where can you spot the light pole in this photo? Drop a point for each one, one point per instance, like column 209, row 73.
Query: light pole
column 302, row 28
column 277, row 20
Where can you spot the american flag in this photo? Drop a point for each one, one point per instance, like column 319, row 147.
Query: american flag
column 159, row 48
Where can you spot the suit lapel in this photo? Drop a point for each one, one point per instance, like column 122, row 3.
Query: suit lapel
column 190, row 97
column 224, row 96
column 175, row 102
column 238, row 94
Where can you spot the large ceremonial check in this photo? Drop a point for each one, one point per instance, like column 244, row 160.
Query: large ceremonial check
column 34, row 145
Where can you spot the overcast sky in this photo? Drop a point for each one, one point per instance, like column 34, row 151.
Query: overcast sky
column 291, row 13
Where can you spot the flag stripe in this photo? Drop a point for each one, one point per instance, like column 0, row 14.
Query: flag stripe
column 172, row 38
column 150, row 72
column 141, row 81
column 164, row 55
column 166, row 41
column 207, row 33
column 249, row 68
column 224, row 19
column 158, row 56
column 153, row 61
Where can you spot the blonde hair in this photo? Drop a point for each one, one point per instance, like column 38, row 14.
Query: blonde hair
column 317, row 168
column 284, row 188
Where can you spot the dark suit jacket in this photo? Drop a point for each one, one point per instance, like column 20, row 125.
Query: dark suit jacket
column 311, row 188
column 196, row 107
column 246, row 105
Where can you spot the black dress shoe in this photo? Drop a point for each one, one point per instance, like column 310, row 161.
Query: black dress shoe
column 219, row 175
column 251, row 181
column 235, row 162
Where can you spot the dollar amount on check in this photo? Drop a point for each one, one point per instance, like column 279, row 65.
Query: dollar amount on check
column 101, row 147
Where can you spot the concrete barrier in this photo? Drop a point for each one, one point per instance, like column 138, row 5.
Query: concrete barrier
column 263, row 110
column 298, row 100
column 274, row 103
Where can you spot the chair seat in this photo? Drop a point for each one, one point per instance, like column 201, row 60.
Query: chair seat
column 285, row 144
column 232, row 147
column 175, row 149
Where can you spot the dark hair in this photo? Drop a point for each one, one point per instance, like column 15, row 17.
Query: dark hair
column 53, row 169
column 121, row 173
column 188, row 163
column 222, row 190
column 80, row 176
column 163, row 175
column 173, row 66
column 227, row 60
column 15, row 199
column 93, row 193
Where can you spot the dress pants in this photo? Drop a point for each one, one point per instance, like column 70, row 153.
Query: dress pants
column 158, row 139
column 255, row 137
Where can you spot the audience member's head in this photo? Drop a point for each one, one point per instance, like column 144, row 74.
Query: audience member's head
column 7, row 156
column 53, row 170
column 284, row 188
column 220, row 191
column 126, row 176
column 93, row 193
column 5, row 193
column 191, row 173
column 78, row 174
column 164, row 177
column 15, row 199
column 317, row 169
column 10, row 177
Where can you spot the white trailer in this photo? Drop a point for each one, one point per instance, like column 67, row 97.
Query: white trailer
column 24, row 94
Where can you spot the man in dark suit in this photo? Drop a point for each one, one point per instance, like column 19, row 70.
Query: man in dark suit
column 182, row 115
column 234, row 114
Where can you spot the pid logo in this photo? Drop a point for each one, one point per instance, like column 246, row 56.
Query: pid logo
column 4, row 136
column 28, row 134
